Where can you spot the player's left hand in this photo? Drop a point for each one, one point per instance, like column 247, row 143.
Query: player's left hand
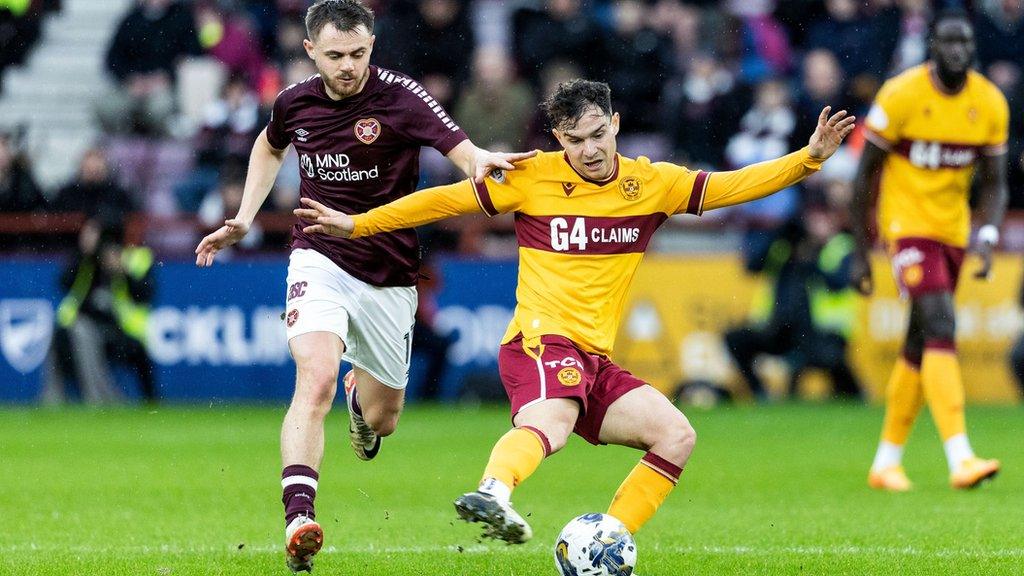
column 485, row 161
column 328, row 221
column 830, row 133
column 985, row 270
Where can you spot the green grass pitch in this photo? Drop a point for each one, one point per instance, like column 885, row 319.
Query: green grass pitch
column 770, row 490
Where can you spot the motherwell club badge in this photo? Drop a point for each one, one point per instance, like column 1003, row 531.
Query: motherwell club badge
column 631, row 188
column 367, row 130
column 569, row 377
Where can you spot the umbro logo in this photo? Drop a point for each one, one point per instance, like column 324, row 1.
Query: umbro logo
column 568, row 187
column 301, row 135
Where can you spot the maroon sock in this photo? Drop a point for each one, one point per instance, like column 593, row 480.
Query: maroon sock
column 299, row 484
column 355, row 402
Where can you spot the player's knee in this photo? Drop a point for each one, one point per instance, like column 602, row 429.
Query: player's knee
column 316, row 387
column 940, row 328
column 383, row 421
column 913, row 349
column 558, row 439
column 676, row 441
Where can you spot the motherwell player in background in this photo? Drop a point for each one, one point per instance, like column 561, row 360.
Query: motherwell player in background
column 357, row 130
column 583, row 219
column 928, row 129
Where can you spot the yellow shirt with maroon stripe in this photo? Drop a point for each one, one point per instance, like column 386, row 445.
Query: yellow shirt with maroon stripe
column 933, row 139
column 580, row 241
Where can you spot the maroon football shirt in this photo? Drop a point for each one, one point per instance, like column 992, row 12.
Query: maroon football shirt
column 359, row 153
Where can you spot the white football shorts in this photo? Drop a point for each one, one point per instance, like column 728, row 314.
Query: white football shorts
column 375, row 323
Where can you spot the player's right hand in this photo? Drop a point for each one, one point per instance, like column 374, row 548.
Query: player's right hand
column 860, row 273
column 328, row 221
column 830, row 132
column 231, row 232
column 984, row 271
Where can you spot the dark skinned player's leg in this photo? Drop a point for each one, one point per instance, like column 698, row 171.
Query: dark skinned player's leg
column 940, row 368
column 944, row 390
column 903, row 400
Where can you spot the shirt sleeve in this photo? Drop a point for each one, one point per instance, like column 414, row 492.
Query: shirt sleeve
column 885, row 119
column 995, row 144
column 276, row 134
column 504, row 190
column 685, row 187
column 423, row 121
column 710, row 190
column 419, row 208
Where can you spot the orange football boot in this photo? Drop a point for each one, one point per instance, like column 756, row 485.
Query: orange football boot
column 972, row 472
column 891, row 479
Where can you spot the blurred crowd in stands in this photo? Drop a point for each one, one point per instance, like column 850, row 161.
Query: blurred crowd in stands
column 711, row 84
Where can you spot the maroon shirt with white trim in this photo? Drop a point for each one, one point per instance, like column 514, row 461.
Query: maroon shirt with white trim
column 359, row 153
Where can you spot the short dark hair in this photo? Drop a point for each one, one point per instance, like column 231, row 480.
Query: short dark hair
column 345, row 15
column 565, row 107
column 948, row 14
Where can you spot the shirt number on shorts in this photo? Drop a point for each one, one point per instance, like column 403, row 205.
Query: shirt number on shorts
column 408, row 346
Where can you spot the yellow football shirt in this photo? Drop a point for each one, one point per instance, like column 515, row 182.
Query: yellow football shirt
column 933, row 139
column 580, row 241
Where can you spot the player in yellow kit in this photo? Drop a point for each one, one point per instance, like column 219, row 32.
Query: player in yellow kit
column 583, row 219
column 928, row 129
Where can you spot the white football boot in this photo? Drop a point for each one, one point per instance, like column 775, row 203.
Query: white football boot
column 302, row 540
column 365, row 442
column 502, row 522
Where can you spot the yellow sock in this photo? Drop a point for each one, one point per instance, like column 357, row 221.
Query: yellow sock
column 643, row 491
column 944, row 390
column 516, row 455
column 903, row 401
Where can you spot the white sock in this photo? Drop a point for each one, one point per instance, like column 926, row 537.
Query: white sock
column 496, row 488
column 957, row 449
column 888, row 455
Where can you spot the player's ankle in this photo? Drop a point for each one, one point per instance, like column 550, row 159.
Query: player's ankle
column 494, row 487
column 299, row 484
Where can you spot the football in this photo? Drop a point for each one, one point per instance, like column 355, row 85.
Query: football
column 595, row 545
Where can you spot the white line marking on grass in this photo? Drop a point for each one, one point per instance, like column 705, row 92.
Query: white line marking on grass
column 259, row 549
column 502, row 549
column 840, row 551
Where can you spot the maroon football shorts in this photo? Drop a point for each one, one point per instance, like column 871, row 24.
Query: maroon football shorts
column 924, row 266
column 560, row 369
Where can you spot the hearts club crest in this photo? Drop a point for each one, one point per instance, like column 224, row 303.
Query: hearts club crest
column 367, row 130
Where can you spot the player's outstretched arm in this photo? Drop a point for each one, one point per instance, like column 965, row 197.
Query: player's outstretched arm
column 423, row 207
column 264, row 164
column 829, row 133
column 328, row 220
column 477, row 163
column 871, row 160
column 992, row 199
column 764, row 178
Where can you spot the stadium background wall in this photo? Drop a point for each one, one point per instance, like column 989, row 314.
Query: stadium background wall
column 215, row 343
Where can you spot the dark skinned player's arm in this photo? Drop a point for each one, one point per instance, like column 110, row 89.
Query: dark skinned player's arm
column 860, row 209
column 992, row 190
column 863, row 183
column 992, row 198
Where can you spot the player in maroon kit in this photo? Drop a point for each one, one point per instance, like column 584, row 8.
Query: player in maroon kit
column 357, row 130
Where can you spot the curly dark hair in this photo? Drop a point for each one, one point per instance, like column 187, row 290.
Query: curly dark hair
column 345, row 15
column 566, row 106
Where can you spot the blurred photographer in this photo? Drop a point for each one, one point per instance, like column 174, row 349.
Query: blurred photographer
column 807, row 311
column 102, row 319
